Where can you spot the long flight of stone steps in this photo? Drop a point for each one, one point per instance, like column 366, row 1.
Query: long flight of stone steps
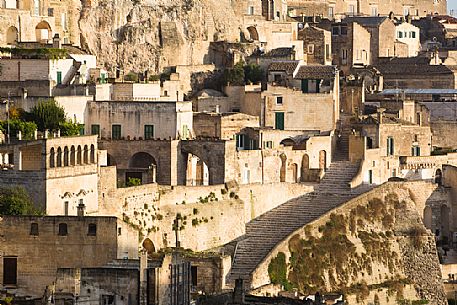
column 267, row 230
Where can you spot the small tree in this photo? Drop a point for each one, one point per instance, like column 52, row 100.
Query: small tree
column 47, row 114
column 68, row 128
column 235, row 76
column 133, row 182
column 253, row 73
column 16, row 201
column 26, row 128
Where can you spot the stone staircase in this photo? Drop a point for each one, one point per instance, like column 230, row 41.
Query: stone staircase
column 267, row 230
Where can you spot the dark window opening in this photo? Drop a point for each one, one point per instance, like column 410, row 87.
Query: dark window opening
column 119, row 231
column 63, row 229
column 92, row 231
column 193, row 275
column 9, row 271
column 34, row 229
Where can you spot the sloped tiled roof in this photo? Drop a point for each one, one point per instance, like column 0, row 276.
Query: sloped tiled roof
column 286, row 66
column 412, row 69
column 316, row 72
column 366, row 21
column 280, row 52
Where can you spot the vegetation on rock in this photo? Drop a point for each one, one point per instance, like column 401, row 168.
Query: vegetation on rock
column 16, row 201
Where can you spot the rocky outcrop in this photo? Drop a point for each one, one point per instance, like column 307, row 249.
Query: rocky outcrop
column 148, row 35
column 375, row 242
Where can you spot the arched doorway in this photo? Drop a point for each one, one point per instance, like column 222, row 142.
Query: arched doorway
column 142, row 166
column 428, row 217
column 438, row 176
column 322, row 159
column 253, row 34
column 12, row 35
column 295, row 172
column 43, row 32
column 444, row 217
column 282, row 173
column 197, row 172
column 305, row 168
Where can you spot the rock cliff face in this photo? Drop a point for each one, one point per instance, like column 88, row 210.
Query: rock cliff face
column 141, row 35
column 374, row 248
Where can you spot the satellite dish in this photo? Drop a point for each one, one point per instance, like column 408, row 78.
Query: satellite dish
column 301, row 26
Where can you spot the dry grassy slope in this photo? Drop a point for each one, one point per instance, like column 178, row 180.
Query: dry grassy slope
column 128, row 32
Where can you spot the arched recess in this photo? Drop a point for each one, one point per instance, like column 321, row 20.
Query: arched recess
column 322, row 159
column 438, row 176
column 282, row 172
column 59, row 157
column 43, row 32
column 197, row 171
column 148, row 245
column 79, row 155
column 294, row 167
column 12, row 35
column 428, row 217
column 72, row 156
column 92, row 154
column 253, row 34
column 52, row 158
column 86, row 154
column 444, row 217
column 142, row 166
column 66, row 156
column 305, row 168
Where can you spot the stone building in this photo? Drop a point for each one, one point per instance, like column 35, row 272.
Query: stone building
column 34, row 247
column 139, row 119
column 222, row 125
column 317, row 45
column 58, row 173
column 408, row 34
column 339, row 8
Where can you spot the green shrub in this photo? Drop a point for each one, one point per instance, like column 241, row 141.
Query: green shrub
column 133, row 182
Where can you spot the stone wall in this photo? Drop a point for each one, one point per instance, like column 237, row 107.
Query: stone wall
column 386, row 246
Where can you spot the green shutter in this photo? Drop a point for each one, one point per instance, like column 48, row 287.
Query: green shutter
column 59, row 77
column 304, row 85
column 279, row 120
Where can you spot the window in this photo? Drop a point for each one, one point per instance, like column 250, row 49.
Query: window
column 279, row 100
column 116, row 132
column 390, row 146
column 415, row 151
column 92, row 229
column 311, row 49
column 344, row 30
column 351, row 9
column 278, row 14
column 63, row 21
column 59, row 77
column 405, row 10
column 400, row 34
column 330, row 12
column 416, row 138
column 9, row 271
column 63, row 230
column 50, row 12
column 119, row 231
column 344, row 54
column 335, row 31
column 327, row 51
column 374, row 11
column 251, row 10
column 193, row 275
column 148, row 132
column 34, row 229
column 81, row 129
column 413, row 34
column 95, row 129
column 240, row 141
column 267, row 144
column 65, row 208
column 279, row 120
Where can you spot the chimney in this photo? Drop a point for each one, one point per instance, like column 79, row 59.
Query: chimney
column 238, row 292
column 56, row 43
column 380, row 112
column 218, row 108
column 81, row 210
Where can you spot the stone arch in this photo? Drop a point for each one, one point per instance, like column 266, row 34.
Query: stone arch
column 86, row 155
column 283, row 170
column 72, row 156
column 322, row 159
column 43, row 31
column 59, row 157
column 305, row 168
column 428, row 217
column 92, row 153
column 52, row 157
column 438, row 176
column 444, row 217
column 143, row 166
column 79, row 155
column 12, row 36
column 148, row 245
column 197, row 172
column 253, row 34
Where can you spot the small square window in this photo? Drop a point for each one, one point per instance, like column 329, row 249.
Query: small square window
column 279, row 100
column 34, row 229
column 92, row 229
column 63, row 229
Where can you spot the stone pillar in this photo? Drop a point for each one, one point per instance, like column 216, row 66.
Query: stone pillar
column 17, row 159
column 46, row 133
column 143, row 277
column 19, row 135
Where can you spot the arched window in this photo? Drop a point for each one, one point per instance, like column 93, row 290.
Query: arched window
column 63, row 229
column 59, row 157
column 92, row 153
column 52, row 158
column 66, row 156
column 11, row 35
